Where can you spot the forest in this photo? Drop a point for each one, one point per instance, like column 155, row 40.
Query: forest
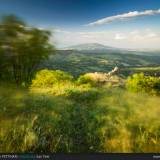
column 48, row 107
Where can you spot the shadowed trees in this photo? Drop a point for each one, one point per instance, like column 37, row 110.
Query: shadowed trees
column 22, row 48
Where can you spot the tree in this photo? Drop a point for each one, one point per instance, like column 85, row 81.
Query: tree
column 22, row 47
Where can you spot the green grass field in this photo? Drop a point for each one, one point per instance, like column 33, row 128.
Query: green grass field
column 78, row 118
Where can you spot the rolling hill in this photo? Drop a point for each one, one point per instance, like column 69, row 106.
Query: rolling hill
column 90, row 47
column 95, row 57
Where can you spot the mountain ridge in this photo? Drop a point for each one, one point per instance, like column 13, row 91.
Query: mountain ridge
column 101, row 47
column 89, row 46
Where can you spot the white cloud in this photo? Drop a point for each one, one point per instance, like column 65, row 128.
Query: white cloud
column 147, row 34
column 152, row 35
column 134, row 32
column 124, row 16
column 120, row 36
column 146, row 38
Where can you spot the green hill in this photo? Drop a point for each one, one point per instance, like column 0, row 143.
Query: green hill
column 78, row 62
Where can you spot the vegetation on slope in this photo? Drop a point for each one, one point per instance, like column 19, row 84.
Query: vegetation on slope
column 78, row 62
column 142, row 83
column 73, row 117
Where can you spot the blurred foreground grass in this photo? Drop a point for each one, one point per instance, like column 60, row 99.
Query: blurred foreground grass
column 78, row 119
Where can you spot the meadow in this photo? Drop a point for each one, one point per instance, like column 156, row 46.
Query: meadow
column 58, row 113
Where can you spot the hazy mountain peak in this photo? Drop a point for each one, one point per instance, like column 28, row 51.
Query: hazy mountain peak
column 89, row 46
column 100, row 48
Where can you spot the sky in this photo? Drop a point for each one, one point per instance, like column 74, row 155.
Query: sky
column 118, row 23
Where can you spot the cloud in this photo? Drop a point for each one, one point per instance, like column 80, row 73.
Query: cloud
column 136, row 35
column 120, row 36
column 152, row 35
column 125, row 16
column 137, row 38
column 144, row 35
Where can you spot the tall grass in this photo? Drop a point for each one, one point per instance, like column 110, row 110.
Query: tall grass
column 132, row 123
column 78, row 119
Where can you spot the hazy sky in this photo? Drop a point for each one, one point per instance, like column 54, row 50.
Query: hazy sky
column 119, row 23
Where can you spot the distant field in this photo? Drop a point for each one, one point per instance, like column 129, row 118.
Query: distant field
column 76, row 62
column 146, row 69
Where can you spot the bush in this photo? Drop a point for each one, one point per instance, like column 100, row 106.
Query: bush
column 55, row 83
column 92, row 78
column 99, row 79
column 47, row 78
column 85, row 79
column 141, row 83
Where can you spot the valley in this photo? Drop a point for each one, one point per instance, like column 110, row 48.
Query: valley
column 78, row 61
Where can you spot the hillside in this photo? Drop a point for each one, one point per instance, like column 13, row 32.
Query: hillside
column 97, row 47
column 89, row 47
column 77, row 62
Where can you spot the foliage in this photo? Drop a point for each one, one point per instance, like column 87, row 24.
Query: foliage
column 86, row 79
column 142, row 83
column 48, row 78
column 22, row 48
column 100, row 79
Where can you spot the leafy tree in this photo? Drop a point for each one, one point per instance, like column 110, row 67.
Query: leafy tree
column 22, row 47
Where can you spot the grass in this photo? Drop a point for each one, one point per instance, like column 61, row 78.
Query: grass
column 146, row 69
column 134, row 122
column 78, row 119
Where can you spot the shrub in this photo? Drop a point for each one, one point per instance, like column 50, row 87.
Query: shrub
column 55, row 83
column 141, row 83
column 47, row 78
column 92, row 78
column 85, row 79
column 99, row 79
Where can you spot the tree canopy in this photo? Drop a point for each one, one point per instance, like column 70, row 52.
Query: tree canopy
column 22, row 48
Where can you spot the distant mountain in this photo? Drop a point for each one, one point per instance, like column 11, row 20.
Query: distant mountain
column 99, row 48
column 80, row 62
column 90, row 47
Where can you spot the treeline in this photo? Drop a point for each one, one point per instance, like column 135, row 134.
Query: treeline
column 22, row 48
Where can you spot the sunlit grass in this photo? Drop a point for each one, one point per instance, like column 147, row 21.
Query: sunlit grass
column 78, row 118
column 134, row 118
